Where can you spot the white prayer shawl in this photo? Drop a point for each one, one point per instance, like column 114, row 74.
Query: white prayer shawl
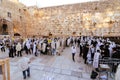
column 74, row 50
column 53, row 45
column 81, row 38
column 39, row 45
column 23, row 63
column 99, row 43
column 110, row 50
column 117, row 75
column 34, row 48
column 97, row 47
column 96, row 60
column 92, row 49
column 87, row 38
column 89, row 54
column 23, row 43
column 68, row 41
column 58, row 44
column 43, row 47
column 18, row 47
column 108, row 39
column 89, row 42
column 1, row 46
column 114, row 45
column 28, row 45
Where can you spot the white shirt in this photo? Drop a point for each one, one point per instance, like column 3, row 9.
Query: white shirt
column 23, row 63
column 53, row 44
column 43, row 47
column 92, row 49
column 74, row 49
column 34, row 48
column 28, row 45
column 18, row 47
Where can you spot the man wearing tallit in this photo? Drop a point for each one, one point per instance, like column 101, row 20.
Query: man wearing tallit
column 68, row 41
column 28, row 47
column 53, row 47
column 57, row 46
column 39, row 47
column 96, row 59
column 35, row 49
column 44, row 47
column 117, row 74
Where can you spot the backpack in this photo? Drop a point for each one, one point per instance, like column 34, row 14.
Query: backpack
column 93, row 75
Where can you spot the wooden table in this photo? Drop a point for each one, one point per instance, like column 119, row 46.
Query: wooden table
column 5, row 68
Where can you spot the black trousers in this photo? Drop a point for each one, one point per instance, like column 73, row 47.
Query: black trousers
column 73, row 55
column 11, row 54
column 3, row 49
column 80, row 53
column 19, row 54
column 35, row 53
column 28, row 73
column 92, row 55
column 85, row 61
column 28, row 51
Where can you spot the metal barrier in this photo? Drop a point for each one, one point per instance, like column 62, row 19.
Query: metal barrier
column 109, row 61
column 112, row 63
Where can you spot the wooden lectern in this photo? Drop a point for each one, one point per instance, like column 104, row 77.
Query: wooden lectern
column 5, row 68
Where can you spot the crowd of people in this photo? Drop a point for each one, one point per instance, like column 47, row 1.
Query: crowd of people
column 91, row 49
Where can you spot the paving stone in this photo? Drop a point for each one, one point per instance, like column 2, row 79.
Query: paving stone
column 48, row 69
column 38, row 68
column 77, row 74
column 57, row 70
column 85, row 76
column 60, row 67
column 66, row 72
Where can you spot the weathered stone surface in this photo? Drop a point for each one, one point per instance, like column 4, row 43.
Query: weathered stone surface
column 99, row 18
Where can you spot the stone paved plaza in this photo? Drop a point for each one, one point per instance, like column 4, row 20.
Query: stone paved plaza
column 48, row 67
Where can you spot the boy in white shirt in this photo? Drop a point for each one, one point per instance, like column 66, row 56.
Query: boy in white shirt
column 73, row 52
column 24, row 66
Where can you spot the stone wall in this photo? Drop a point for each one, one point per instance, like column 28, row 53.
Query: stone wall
column 18, row 18
column 100, row 18
column 94, row 18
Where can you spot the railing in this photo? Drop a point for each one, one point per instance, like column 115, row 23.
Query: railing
column 112, row 63
column 109, row 61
